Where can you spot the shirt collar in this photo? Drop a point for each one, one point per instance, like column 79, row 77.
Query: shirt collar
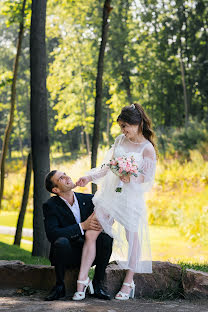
column 75, row 200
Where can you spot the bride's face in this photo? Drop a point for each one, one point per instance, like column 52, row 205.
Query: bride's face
column 130, row 131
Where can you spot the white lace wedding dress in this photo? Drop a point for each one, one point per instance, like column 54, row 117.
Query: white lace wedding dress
column 123, row 215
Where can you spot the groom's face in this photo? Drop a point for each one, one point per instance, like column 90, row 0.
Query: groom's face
column 62, row 183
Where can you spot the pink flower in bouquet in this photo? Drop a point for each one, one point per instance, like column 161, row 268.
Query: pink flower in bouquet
column 121, row 162
column 113, row 162
column 123, row 166
column 128, row 168
column 120, row 170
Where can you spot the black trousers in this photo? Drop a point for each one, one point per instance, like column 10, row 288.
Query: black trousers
column 67, row 254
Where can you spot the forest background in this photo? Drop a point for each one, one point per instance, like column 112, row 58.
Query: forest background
column 156, row 55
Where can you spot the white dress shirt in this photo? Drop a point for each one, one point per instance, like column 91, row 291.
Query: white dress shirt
column 75, row 210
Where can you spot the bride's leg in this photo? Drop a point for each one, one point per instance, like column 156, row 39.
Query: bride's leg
column 128, row 279
column 132, row 238
column 88, row 256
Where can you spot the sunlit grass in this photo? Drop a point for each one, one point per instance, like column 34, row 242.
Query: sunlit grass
column 180, row 197
column 168, row 244
column 14, row 186
column 9, row 239
column 177, row 205
column 9, row 218
column 11, row 252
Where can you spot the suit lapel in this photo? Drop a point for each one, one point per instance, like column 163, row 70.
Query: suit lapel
column 65, row 208
column 82, row 204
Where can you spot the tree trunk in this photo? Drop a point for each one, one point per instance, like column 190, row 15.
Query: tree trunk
column 12, row 107
column 39, row 123
column 87, row 137
column 126, row 79
column 184, row 91
column 10, row 152
column 125, row 73
column 82, row 139
column 18, row 234
column 108, row 126
column 99, row 80
column 19, row 137
column 86, row 134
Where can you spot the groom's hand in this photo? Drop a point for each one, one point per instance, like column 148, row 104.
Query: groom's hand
column 91, row 223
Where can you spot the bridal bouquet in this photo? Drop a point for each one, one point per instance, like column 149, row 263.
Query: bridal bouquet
column 123, row 166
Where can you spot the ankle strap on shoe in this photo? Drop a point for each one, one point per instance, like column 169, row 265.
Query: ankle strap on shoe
column 83, row 282
column 129, row 285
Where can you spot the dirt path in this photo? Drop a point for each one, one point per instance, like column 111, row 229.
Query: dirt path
column 11, row 301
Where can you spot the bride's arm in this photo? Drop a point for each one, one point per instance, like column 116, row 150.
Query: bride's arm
column 147, row 167
column 96, row 174
column 93, row 175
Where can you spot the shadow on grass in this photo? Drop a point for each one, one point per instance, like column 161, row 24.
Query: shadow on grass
column 11, row 252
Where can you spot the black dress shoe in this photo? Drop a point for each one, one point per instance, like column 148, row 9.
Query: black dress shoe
column 100, row 291
column 56, row 293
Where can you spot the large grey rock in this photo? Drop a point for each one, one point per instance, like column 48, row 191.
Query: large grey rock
column 164, row 282
column 14, row 274
column 195, row 284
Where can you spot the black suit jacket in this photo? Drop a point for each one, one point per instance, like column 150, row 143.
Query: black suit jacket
column 59, row 220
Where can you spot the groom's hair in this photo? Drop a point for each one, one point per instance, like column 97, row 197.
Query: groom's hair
column 48, row 183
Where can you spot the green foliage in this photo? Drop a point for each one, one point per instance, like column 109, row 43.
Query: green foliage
column 179, row 142
column 142, row 63
column 5, row 78
column 9, row 22
column 14, row 185
column 72, row 74
column 180, row 197
column 146, row 43
column 170, row 203
column 12, row 10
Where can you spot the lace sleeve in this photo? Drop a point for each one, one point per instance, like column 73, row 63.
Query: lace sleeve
column 99, row 172
column 147, row 168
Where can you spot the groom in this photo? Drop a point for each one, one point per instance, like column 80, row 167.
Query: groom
column 66, row 217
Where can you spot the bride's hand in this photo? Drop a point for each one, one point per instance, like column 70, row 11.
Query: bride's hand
column 83, row 181
column 125, row 179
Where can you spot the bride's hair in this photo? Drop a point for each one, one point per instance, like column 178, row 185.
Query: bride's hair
column 135, row 115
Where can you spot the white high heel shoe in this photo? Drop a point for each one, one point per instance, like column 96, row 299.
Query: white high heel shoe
column 80, row 295
column 123, row 296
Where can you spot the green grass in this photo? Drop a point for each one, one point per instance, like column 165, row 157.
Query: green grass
column 171, row 202
column 167, row 244
column 9, row 239
column 194, row 266
column 9, row 218
column 177, row 207
column 8, row 251
column 11, row 252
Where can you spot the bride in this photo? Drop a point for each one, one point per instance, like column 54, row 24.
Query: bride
column 123, row 215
